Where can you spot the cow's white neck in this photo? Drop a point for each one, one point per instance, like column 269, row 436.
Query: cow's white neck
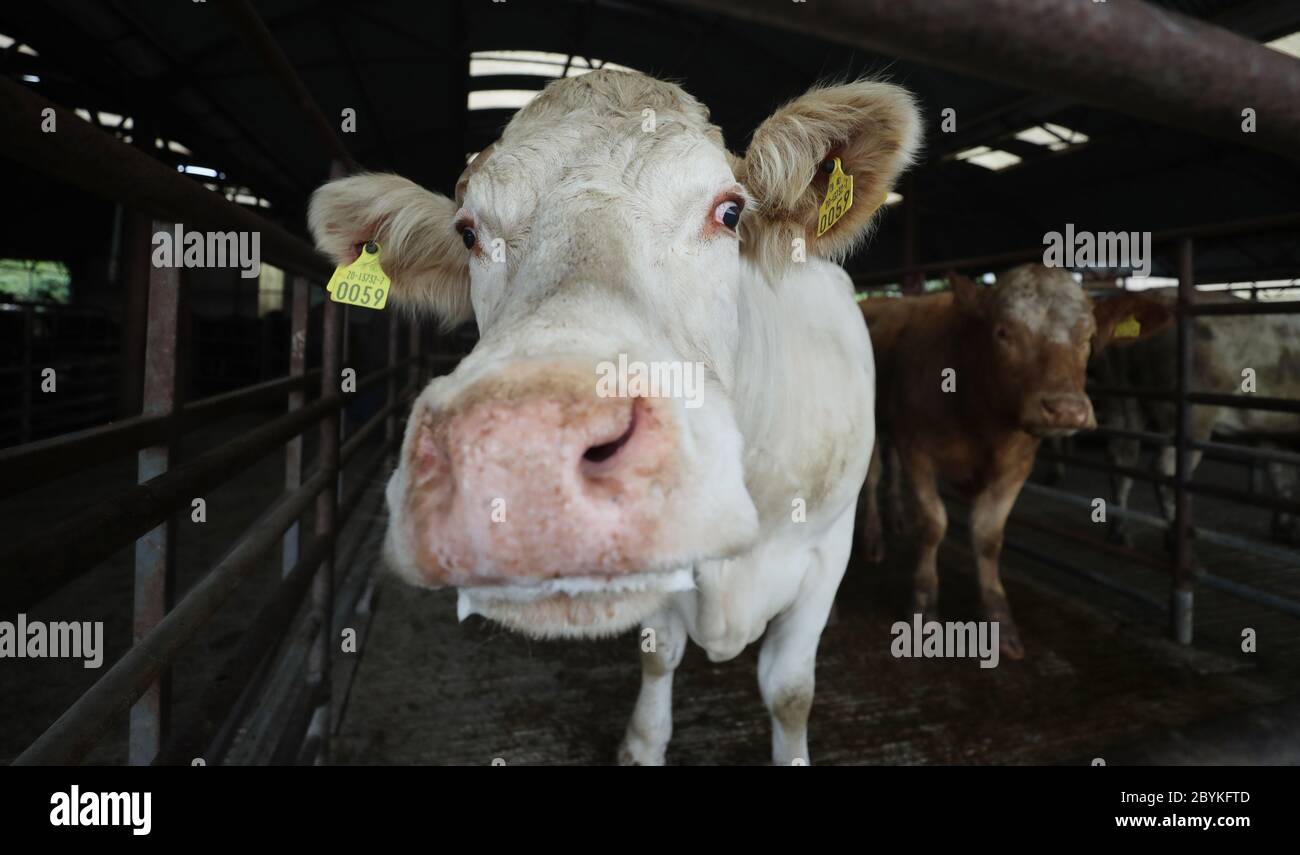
column 798, row 388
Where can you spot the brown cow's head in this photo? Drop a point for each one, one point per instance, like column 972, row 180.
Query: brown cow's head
column 1035, row 329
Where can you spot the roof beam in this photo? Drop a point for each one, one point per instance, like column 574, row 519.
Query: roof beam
column 85, row 156
column 344, row 40
column 178, row 72
column 258, row 38
column 1119, row 55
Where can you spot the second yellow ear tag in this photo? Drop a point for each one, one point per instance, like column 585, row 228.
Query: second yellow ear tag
column 839, row 198
column 1128, row 328
column 363, row 282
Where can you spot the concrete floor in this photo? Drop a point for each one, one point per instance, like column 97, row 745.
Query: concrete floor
column 1099, row 677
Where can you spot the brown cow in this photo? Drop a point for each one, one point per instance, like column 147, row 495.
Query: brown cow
column 969, row 382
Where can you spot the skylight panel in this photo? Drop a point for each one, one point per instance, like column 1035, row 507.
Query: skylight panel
column 1055, row 137
column 994, row 159
column 500, row 99
column 1287, row 44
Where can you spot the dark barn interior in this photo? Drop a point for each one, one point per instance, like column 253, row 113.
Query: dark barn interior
column 227, row 115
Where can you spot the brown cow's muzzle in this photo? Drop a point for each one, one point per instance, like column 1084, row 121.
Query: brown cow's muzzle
column 519, row 483
column 1059, row 414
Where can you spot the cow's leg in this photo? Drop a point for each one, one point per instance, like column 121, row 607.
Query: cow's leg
column 1168, row 468
column 871, row 539
column 1259, row 480
column 1166, row 464
column 895, row 514
column 988, row 520
column 787, row 660
column 646, row 740
column 1282, row 478
column 1122, row 452
column 931, row 523
column 1202, row 427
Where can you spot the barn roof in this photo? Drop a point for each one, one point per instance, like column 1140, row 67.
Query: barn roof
column 186, row 78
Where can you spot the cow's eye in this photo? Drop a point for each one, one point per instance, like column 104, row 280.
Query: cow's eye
column 467, row 235
column 1003, row 334
column 727, row 213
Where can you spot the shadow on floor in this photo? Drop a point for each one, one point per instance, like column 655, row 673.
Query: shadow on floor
column 432, row 691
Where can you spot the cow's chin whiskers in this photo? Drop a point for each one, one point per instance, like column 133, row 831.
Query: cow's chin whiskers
column 574, row 607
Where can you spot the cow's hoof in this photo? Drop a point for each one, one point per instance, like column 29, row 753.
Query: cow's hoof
column 997, row 609
column 927, row 606
column 1009, row 644
column 637, row 752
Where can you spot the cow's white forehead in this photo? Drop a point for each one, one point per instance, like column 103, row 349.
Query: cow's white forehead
column 1046, row 300
column 606, row 122
column 612, row 93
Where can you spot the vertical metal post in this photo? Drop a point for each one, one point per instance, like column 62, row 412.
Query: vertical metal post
column 293, row 450
column 1180, row 608
column 390, row 424
column 417, row 364
column 318, row 662
column 339, row 168
column 28, row 381
column 344, row 363
column 913, row 282
column 155, row 551
column 319, row 682
column 138, row 239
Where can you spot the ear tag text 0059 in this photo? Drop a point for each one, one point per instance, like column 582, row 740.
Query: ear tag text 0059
column 1128, row 328
column 839, row 198
column 363, row 282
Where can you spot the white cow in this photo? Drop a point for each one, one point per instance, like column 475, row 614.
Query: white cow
column 1223, row 348
column 607, row 222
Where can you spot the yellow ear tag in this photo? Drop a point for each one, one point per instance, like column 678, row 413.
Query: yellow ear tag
column 363, row 282
column 839, row 198
column 1128, row 328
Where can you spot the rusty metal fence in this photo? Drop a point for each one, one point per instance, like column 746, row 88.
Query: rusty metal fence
column 137, row 686
column 86, row 343
column 1180, row 562
column 47, row 560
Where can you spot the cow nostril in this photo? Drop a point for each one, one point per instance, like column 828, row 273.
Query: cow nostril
column 606, row 450
column 1065, row 411
column 429, row 458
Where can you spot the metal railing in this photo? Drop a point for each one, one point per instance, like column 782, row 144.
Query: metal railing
column 86, row 342
column 47, row 560
column 136, row 686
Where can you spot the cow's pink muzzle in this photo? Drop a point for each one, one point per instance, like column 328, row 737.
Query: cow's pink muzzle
column 516, row 483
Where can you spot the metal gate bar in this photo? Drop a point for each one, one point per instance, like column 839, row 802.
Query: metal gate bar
column 155, row 551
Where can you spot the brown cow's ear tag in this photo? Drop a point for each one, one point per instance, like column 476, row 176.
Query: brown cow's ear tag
column 1128, row 328
column 839, row 198
column 363, row 282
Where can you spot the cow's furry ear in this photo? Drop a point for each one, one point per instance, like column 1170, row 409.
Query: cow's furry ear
column 874, row 129
column 965, row 292
column 419, row 248
column 1128, row 318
